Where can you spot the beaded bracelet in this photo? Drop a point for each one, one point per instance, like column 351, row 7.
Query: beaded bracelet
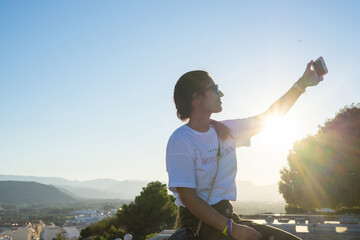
column 224, row 232
column 229, row 227
column 298, row 87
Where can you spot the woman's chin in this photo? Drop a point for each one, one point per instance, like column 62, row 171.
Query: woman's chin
column 218, row 110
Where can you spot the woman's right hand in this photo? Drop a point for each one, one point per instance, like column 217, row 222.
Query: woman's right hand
column 243, row 232
column 309, row 77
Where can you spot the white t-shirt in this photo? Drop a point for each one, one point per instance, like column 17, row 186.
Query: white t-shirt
column 191, row 160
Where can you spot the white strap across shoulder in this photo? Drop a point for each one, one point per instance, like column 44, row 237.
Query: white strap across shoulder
column 218, row 156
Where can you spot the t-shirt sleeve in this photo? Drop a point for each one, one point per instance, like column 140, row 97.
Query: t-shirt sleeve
column 179, row 165
column 241, row 130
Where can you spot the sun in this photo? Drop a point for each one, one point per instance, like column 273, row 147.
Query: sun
column 275, row 124
column 280, row 130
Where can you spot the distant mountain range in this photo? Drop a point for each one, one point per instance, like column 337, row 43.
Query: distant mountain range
column 19, row 192
column 96, row 189
column 249, row 192
column 129, row 189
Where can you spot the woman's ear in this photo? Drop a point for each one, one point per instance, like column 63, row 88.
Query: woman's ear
column 195, row 103
column 196, row 98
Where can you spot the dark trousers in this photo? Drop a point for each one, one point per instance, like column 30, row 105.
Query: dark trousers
column 188, row 220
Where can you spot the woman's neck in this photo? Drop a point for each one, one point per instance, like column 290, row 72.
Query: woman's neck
column 199, row 123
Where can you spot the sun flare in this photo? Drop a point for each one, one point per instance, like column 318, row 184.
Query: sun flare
column 280, row 130
column 275, row 124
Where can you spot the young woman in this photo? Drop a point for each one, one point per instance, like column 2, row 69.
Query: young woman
column 193, row 151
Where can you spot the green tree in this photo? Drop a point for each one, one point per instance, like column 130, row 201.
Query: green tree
column 323, row 170
column 59, row 236
column 152, row 211
column 107, row 227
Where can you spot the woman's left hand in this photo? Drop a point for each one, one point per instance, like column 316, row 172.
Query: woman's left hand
column 309, row 77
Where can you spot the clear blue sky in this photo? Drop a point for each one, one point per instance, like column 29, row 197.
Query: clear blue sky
column 86, row 86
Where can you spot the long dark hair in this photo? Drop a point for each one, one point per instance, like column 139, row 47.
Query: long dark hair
column 185, row 88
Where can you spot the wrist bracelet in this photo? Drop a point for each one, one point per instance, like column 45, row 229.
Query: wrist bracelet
column 229, row 227
column 224, row 232
column 298, row 87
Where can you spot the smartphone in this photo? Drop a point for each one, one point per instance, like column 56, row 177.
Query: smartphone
column 320, row 68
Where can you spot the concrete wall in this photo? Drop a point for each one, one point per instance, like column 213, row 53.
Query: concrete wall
column 328, row 236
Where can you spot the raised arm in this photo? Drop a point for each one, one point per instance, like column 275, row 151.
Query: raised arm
column 284, row 103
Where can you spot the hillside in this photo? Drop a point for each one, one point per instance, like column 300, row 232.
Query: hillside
column 95, row 189
column 128, row 189
column 247, row 191
column 19, row 192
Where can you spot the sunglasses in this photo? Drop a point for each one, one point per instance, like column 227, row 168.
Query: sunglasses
column 214, row 88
